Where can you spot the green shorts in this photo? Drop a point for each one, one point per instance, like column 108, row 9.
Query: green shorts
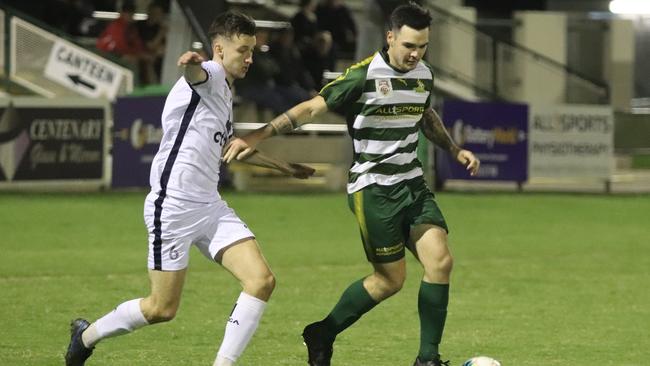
column 386, row 214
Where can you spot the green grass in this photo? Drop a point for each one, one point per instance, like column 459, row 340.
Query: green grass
column 539, row 279
column 641, row 161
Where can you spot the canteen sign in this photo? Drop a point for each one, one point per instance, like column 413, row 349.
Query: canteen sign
column 82, row 71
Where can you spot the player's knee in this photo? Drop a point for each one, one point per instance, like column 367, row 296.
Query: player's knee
column 260, row 286
column 391, row 285
column 161, row 314
column 446, row 264
column 441, row 266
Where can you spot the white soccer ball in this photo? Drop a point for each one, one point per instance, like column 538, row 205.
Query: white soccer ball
column 481, row 361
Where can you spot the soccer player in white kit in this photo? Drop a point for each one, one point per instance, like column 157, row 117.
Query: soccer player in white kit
column 184, row 207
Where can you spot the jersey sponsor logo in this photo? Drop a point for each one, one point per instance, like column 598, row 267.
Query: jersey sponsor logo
column 396, row 110
column 385, row 251
column 383, row 87
column 221, row 137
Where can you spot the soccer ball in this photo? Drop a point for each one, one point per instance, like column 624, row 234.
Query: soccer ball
column 481, row 361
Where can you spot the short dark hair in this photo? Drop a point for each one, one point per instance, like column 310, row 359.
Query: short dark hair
column 231, row 23
column 412, row 15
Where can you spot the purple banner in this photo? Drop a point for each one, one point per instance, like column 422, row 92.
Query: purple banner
column 136, row 137
column 497, row 133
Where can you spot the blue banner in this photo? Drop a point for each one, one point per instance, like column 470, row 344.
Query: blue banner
column 137, row 133
column 497, row 133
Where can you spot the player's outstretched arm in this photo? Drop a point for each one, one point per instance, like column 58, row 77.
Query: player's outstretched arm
column 239, row 148
column 296, row 170
column 194, row 73
column 435, row 131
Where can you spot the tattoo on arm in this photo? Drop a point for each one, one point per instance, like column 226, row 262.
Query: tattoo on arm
column 435, row 131
column 283, row 123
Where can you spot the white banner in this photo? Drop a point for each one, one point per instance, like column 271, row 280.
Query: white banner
column 571, row 141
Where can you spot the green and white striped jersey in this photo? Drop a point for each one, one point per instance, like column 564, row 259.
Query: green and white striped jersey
column 383, row 108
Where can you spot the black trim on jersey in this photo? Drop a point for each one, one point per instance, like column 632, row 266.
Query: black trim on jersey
column 164, row 179
column 207, row 77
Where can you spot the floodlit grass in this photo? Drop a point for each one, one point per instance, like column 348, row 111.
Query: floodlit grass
column 641, row 161
column 539, row 279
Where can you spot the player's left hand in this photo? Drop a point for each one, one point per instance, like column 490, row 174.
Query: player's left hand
column 190, row 58
column 470, row 161
column 301, row 171
column 237, row 149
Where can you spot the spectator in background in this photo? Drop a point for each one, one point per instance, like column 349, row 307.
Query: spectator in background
column 315, row 45
column 293, row 81
column 67, row 15
column 153, row 32
column 335, row 17
column 259, row 86
column 319, row 57
column 121, row 38
column 305, row 23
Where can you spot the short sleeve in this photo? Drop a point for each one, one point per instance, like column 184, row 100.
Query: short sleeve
column 215, row 74
column 430, row 97
column 345, row 89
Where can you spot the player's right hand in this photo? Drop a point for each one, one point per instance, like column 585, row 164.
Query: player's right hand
column 238, row 149
column 190, row 58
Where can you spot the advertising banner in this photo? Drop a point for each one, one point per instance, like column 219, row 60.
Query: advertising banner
column 136, row 137
column 48, row 142
column 497, row 133
column 571, row 141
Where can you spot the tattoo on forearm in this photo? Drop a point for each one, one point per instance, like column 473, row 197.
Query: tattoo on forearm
column 435, row 131
column 283, row 123
column 294, row 123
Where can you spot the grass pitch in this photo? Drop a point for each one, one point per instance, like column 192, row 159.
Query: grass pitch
column 539, row 279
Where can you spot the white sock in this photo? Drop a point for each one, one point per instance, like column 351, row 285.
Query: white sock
column 126, row 318
column 240, row 328
column 222, row 361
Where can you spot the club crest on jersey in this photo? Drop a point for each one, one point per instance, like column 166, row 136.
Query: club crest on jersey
column 383, row 87
column 420, row 88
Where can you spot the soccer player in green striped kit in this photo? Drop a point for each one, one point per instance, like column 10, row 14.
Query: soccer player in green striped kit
column 386, row 100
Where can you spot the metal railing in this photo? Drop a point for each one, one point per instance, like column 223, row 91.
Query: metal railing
column 500, row 66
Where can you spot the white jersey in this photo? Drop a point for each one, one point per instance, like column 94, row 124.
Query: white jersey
column 197, row 123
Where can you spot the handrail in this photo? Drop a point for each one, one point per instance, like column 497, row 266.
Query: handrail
column 536, row 55
column 480, row 91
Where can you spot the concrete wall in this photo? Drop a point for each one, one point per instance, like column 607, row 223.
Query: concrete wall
column 619, row 63
column 453, row 45
column 537, row 80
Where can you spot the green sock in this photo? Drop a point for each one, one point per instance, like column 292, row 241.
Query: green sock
column 354, row 302
column 432, row 307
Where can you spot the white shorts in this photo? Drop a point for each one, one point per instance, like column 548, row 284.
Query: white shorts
column 174, row 225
